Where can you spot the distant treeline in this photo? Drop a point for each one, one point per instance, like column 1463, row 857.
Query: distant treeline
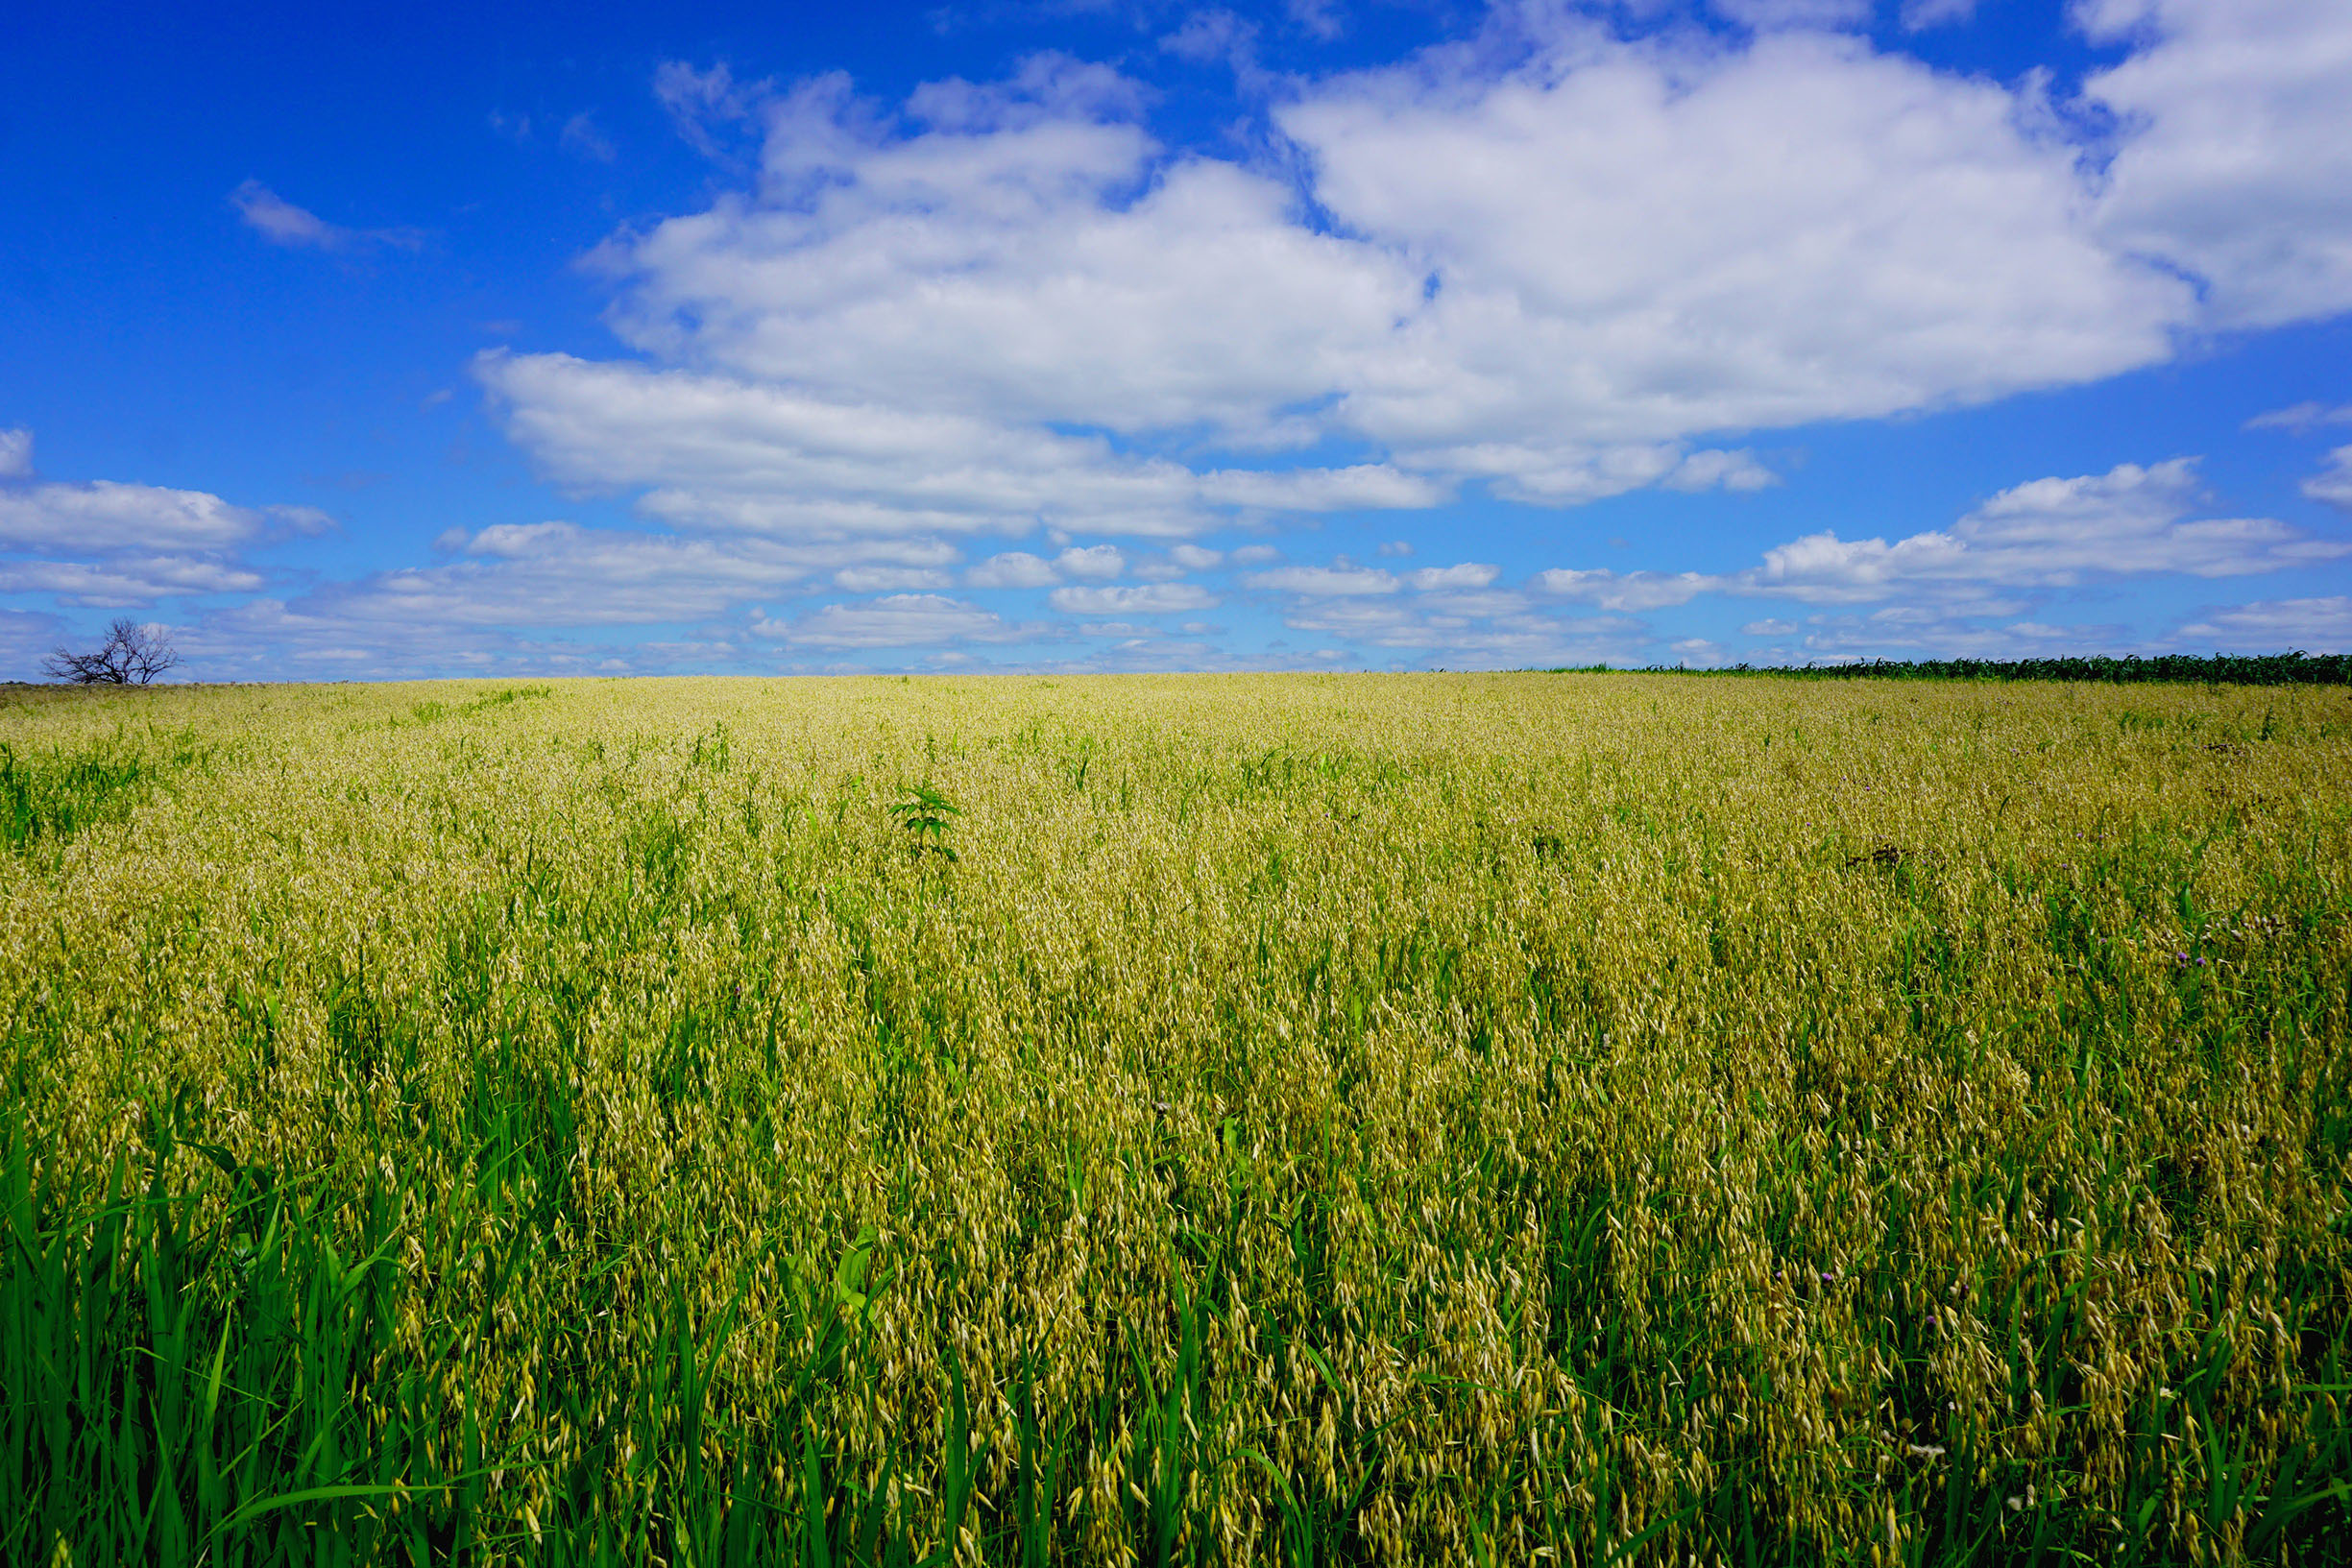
column 2217, row 669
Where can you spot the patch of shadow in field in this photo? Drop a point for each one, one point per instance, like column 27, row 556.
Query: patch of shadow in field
column 431, row 711
column 50, row 798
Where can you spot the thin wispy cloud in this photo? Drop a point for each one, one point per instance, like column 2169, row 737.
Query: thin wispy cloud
column 2302, row 416
column 281, row 222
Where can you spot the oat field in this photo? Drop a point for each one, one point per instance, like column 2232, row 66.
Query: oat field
column 1581, row 1119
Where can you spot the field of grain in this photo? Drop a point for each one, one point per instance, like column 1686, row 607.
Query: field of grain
column 1277, row 1120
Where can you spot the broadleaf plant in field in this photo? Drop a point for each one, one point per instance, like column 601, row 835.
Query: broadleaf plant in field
column 927, row 815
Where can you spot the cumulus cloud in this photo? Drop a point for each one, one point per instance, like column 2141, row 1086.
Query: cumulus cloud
column 2234, row 153
column 1325, row 582
column 1098, row 562
column 1365, row 486
column 268, row 636
column 1551, row 278
column 883, row 579
column 106, row 543
column 1941, row 633
column 1469, row 574
column 1629, row 591
column 1145, row 599
column 2320, row 625
column 2043, row 535
column 899, row 620
column 1503, row 633
column 518, row 595
column 1737, row 471
column 721, row 453
column 1730, row 238
column 1014, row 568
column 562, row 574
column 2049, row 533
column 2333, row 484
column 149, row 542
column 126, row 580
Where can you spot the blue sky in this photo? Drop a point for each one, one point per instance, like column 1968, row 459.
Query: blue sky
column 416, row 341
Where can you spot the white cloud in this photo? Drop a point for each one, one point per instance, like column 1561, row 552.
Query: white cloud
column 1548, row 277
column 102, row 543
column 1195, row 557
column 1366, row 486
column 2235, row 151
column 267, row 637
column 1698, row 652
column 1251, row 555
column 1325, row 582
column 883, row 579
column 1146, row 600
column 725, row 453
column 1630, row 590
column 1469, row 574
column 2301, row 416
column 1014, row 568
column 2322, row 625
column 1098, row 562
column 561, row 574
column 901, row 621
column 1915, row 630
column 1503, row 633
column 2043, row 535
column 1737, row 471
column 2333, row 484
column 126, row 580
column 1639, row 242
column 281, row 222
column 1396, row 546
column 729, row 454
column 105, row 515
column 15, row 453
column 1769, row 628
column 993, row 264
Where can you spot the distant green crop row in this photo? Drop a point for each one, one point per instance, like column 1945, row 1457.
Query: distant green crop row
column 1297, row 1120
column 2217, row 669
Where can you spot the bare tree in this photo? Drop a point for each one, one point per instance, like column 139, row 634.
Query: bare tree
column 132, row 654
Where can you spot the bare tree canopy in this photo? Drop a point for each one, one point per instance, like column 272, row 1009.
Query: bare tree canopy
column 132, row 654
